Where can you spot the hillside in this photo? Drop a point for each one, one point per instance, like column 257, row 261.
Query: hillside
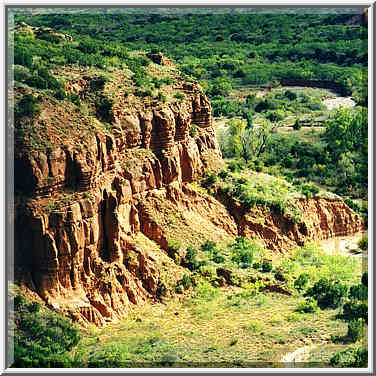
column 126, row 199
column 92, row 183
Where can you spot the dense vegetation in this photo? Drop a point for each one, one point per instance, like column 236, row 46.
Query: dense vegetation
column 338, row 158
column 247, row 48
column 42, row 338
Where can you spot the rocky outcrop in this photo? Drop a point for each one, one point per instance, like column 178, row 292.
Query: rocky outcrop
column 163, row 129
column 75, row 240
column 93, row 222
column 39, row 31
column 321, row 218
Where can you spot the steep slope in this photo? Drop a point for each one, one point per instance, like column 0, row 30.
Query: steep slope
column 81, row 204
column 97, row 202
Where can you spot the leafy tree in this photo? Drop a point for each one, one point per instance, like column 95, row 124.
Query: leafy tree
column 240, row 141
column 347, row 130
column 329, row 294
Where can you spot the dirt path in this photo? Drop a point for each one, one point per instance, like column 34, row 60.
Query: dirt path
column 334, row 103
column 300, row 355
column 347, row 245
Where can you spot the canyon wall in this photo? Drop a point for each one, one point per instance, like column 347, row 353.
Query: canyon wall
column 92, row 224
column 80, row 210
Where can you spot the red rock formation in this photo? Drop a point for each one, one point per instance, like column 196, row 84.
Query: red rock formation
column 76, row 240
column 77, row 256
column 321, row 219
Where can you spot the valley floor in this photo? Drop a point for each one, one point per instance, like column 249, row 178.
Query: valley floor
column 221, row 327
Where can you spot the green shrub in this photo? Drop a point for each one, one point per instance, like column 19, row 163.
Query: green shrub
column 308, row 306
column 359, row 292
column 173, row 249
column 209, row 246
column 365, row 279
column 22, row 56
column 218, row 259
column 60, row 94
column 19, row 302
column 267, row 104
column 236, row 166
column 42, row 338
column 355, row 329
column 280, row 275
column 266, row 266
column 21, row 73
column 351, row 358
column 27, row 106
column 88, row 46
column 209, row 180
column 243, row 251
column 363, row 243
column 193, row 130
column 302, row 281
column 34, row 307
column 206, row 291
column 354, row 311
column 291, row 95
column 110, row 356
column 162, row 97
column 353, row 205
column 329, row 294
column 297, row 125
column 104, row 108
column 74, row 98
column 161, row 289
column 140, row 93
column 186, row 281
column 190, row 260
column 309, row 190
column 179, row 96
column 98, row 82
column 42, row 79
column 179, row 289
column 275, row 116
column 223, row 174
column 50, row 38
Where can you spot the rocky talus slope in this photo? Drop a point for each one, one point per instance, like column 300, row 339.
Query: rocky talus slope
column 93, row 220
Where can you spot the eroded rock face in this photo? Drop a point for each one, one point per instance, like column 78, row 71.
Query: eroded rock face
column 321, row 219
column 164, row 130
column 83, row 256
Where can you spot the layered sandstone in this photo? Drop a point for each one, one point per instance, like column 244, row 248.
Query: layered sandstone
column 93, row 221
column 75, row 240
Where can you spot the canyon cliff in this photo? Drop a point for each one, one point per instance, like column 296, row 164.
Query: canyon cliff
column 95, row 213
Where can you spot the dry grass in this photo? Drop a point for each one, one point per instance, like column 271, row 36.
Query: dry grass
column 220, row 327
column 260, row 329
